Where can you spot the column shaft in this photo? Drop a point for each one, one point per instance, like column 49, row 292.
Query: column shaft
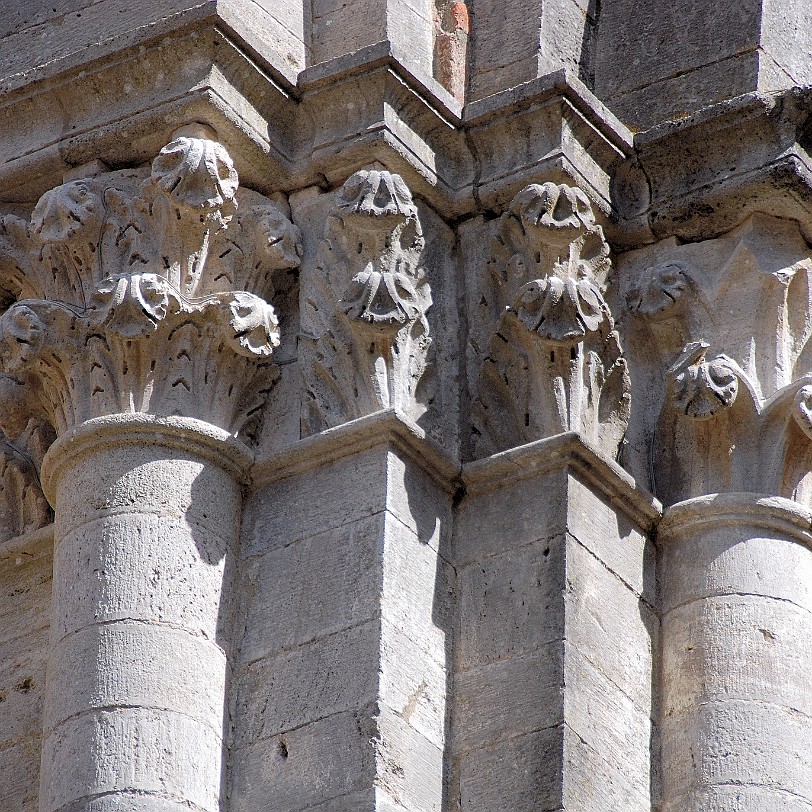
column 736, row 571
column 136, row 670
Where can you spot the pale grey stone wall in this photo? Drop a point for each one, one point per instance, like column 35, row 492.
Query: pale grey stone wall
column 349, row 353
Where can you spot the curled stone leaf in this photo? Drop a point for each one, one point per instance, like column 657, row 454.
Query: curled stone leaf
column 278, row 239
column 659, row 289
column 196, row 173
column 802, row 411
column 560, row 310
column 376, row 194
column 703, row 388
column 22, row 334
column 63, row 212
column 133, row 305
column 381, row 299
column 254, row 326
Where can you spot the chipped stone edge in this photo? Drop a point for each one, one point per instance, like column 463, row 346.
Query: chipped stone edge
column 386, row 427
column 774, row 513
column 568, row 450
column 181, row 433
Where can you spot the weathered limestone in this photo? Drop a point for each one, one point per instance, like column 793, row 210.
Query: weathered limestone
column 556, row 633
column 127, row 335
column 736, row 723
column 342, row 669
column 656, row 63
column 554, row 362
column 517, row 42
column 351, row 514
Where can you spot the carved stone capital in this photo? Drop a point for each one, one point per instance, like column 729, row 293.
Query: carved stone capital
column 366, row 340
column 727, row 324
column 554, row 362
column 146, row 291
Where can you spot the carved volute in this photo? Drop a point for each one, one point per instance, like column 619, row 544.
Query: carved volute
column 726, row 325
column 554, row 362
column 365, row 339
column 145, row 291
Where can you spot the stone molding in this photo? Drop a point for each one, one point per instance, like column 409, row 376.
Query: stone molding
column 568, row 450
column 782, row 516
column 384, row 427
column 365, row 337
column 554, row 363
column 185, row 434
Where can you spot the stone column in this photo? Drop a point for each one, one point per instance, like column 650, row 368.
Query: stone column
column 147, row 511
column 134, row 336
column 725, row 324
column 737, row 653
column 342, row 673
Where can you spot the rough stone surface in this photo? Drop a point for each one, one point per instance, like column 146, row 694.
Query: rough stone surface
column 349, row 352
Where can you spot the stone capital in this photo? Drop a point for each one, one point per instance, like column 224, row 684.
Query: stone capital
column 147, row 291
column 553, row 361
column 722, row 336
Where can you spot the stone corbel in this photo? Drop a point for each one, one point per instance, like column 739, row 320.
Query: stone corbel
column 733, row 317
column 365, row 337
column 554, row 363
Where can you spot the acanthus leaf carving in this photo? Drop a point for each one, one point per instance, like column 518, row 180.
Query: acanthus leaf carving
column 146, row 290
column 735, row 411
column 554, row 362
column 365, row 333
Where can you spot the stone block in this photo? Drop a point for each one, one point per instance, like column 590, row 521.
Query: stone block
column 523, row 774
column 418, row 584
column 172, row 575
column 610, row 626
column 22, row 685
column 158, row 480
column 730, row 560
column 765, row 644
column 609, row 534
column 25, row 584
column 504, row 519
column 132, row 749
column 510, row 603
column 322, row 585
column 508, row 698
column 612, row 734
column 335, row 674
column 304, row 505
column 737, row 742
column 307, row 766
column 587, row 776
column 96, row 667
column 19, row 775
column 418, row 502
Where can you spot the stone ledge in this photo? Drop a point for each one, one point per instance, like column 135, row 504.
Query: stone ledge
column 731, row 509
column 570, row 451
column 387, row 427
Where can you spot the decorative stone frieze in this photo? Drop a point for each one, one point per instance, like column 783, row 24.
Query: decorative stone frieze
column 365, row 337
column 554, row 362
column 129, row 292
column 728, row 323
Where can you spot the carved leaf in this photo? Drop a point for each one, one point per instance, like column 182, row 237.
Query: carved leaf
column 554, row 363
column 366, row 338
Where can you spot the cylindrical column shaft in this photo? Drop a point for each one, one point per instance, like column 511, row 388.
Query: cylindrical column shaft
column 736, row 574
column 136, row 669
